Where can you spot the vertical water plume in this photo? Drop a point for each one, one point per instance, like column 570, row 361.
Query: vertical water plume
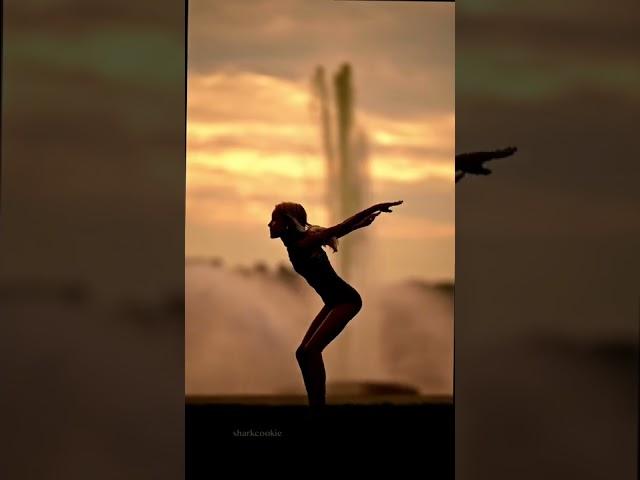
column 345, row 148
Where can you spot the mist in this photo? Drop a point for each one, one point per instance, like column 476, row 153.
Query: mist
column 243, row 326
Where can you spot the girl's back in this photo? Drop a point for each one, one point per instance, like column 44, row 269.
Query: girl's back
column 314, row 266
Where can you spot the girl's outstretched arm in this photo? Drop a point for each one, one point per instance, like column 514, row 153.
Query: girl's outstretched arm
column 359, row 220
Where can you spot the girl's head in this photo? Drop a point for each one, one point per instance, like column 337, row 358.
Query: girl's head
column 291, row 218
column 287, row 217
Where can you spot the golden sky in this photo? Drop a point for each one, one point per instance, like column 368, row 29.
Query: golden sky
column 253, row 140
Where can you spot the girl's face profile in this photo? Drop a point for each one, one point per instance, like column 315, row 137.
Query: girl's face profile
column 276, row 225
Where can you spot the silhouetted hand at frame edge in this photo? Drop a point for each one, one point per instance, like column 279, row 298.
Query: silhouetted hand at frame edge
column 505, row 152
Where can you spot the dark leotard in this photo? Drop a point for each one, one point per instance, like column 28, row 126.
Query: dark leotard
column 314, row 266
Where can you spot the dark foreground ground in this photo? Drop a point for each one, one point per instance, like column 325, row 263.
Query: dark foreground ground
column 407, row 429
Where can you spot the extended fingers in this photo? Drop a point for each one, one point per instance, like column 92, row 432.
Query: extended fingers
column 387, row 206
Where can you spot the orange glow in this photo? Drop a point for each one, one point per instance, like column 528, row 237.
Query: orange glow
column 254, row 137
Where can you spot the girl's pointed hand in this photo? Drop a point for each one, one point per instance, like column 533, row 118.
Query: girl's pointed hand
column 385, row 207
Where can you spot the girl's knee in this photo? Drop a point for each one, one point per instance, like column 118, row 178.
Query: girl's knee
column 304, row 353
column 300, row 354
column 357, row 303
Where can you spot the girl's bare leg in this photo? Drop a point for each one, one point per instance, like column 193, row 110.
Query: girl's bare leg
column 322, row 314
column 309, row 354
column 316, row 323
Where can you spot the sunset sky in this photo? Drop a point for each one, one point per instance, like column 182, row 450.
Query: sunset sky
column 253, row 141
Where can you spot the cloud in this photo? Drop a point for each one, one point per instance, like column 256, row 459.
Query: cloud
column 403, row 53
column 529, row 52
column 255, row 125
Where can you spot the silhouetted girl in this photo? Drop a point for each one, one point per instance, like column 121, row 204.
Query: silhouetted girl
column 342, row 302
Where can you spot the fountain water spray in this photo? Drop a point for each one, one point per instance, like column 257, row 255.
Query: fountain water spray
column 345, row 148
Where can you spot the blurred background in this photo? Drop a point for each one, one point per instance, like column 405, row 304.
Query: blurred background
column 547, row 284
column 92, row 236
column 92, row 239
column 334, row 105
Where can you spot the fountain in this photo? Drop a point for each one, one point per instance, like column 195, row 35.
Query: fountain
column 344, row 144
